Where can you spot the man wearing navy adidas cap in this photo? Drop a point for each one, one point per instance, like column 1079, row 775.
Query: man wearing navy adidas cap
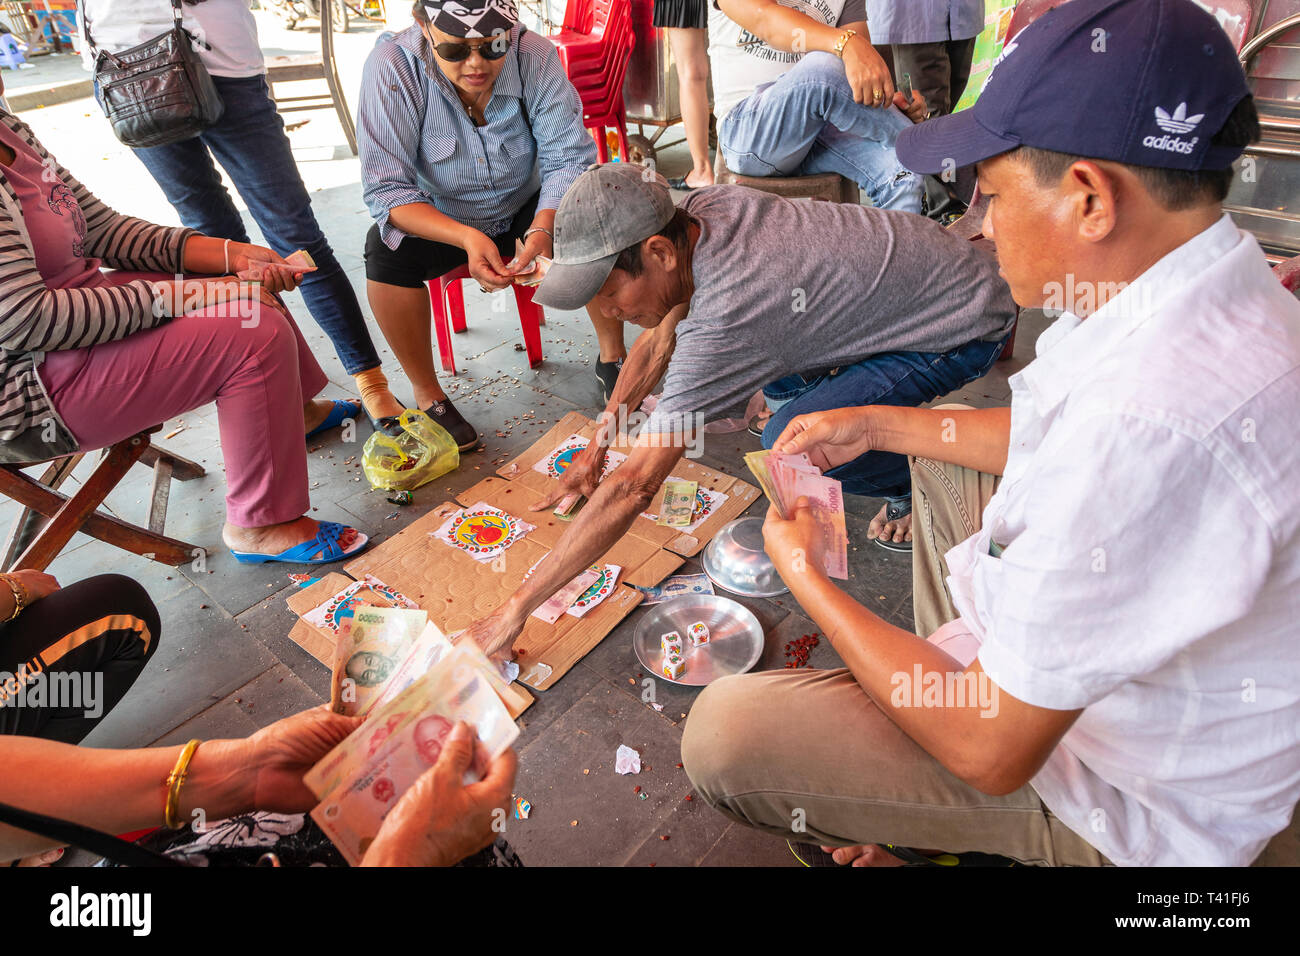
column 1108, row 572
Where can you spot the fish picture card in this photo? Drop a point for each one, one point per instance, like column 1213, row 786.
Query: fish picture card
column 707, row 501
column 481, row 531
column 339, row 609
column 557, row 462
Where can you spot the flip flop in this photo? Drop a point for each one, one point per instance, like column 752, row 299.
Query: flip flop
column 892, row 513
column 326, row 542
column 679, row 182
column 342, row 410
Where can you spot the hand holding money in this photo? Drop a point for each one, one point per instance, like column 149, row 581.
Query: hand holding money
column 829, row 439
column 441, row 820
column 791, row 478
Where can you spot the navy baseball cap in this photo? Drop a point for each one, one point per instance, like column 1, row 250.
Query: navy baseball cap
column 1139, row 82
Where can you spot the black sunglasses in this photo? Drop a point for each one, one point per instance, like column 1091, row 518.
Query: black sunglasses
column 493, row 49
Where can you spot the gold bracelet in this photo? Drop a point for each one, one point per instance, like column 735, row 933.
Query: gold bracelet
column 175, row 780
column 21, row 597
column 845, row 37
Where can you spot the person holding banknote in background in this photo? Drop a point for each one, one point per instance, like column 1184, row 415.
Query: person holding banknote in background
column 836, row 304
column 1108, row 572
column 440, row 821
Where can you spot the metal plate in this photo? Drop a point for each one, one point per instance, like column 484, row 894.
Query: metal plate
column 735, row 638
column 735, row 560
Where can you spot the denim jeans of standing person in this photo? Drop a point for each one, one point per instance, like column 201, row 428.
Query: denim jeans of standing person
column 250, row 144
column 806, row 122
column 891, row 378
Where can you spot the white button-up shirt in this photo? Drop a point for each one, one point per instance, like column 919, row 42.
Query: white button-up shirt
column 1148, row 524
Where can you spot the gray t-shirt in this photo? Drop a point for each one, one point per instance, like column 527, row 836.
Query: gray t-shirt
column 788, row 287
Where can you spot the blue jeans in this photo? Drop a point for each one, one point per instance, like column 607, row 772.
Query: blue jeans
column 250, row 144
column 891, row 378
column 806, row 122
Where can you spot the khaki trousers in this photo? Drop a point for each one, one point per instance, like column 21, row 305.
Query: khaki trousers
column 807, row 755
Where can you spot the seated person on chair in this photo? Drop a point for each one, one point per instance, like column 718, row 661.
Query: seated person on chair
column 866, row 306
column 469, row 132
column 799, row 89
column 1107, row 572
column 91, row 358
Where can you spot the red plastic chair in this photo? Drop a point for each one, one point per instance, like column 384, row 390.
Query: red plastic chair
column 448, row 301
column 596, row 63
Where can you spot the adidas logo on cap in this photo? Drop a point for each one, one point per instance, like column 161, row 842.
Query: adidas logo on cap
column 1179, row 122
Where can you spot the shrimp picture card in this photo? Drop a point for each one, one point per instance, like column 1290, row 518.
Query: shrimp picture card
column 481, row 531
column 557, row 462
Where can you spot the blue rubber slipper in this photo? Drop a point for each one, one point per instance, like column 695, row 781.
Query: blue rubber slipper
column 326, row 542
column 343, row 410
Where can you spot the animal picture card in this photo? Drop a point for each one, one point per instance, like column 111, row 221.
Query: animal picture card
column 707, row 501
column 481, row 531
column 338, row 610
column 557, row 462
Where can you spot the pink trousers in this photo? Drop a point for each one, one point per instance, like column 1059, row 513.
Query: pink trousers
column 259, row 376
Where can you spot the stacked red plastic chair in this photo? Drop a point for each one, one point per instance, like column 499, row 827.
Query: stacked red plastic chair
column 595, row 46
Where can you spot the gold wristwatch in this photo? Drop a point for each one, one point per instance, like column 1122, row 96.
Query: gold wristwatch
column 21, row 597
column 845, row 37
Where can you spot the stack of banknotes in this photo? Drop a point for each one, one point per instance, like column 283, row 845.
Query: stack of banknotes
column 787, row 478
column 412, row 684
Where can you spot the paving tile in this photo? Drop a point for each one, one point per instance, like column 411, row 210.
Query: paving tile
column 743, row 846
column 821, row 657
column 552, row 704
column 612, row 821
column 693, row 829
column 269, row 622
column 202, row 656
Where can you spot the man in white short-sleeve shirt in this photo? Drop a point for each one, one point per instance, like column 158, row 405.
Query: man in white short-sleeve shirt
column 1122, row 618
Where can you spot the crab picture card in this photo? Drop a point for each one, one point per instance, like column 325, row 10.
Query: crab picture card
column 482, row 532
column 720, row 497
column 333, row 613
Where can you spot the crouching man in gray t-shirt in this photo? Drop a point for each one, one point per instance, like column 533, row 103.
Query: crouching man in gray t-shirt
column 822, row 305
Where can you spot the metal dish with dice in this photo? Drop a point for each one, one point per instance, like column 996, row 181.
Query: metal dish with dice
column 735, row 638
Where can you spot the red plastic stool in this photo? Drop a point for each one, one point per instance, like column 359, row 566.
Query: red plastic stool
column 448, row 302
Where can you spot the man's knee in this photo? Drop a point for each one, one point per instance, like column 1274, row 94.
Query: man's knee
column 710, row 750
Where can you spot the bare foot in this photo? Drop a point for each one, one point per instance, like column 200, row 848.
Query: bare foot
column 866, row 855
column 899, row 531
column 697, row 178
column 315, row 412
column 278, row 537
column 48, row 858
column 424, row 397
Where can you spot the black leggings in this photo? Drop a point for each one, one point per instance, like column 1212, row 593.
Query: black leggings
column 86, row 644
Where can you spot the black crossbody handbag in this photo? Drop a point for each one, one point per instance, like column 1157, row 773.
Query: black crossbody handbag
column 158, row 92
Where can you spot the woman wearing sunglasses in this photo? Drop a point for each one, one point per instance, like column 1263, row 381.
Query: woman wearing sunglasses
column 469, row 132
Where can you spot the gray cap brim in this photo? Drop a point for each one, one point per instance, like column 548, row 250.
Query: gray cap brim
column 573, row 286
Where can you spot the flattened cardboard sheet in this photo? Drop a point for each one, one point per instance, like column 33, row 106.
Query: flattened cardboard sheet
column 456, row 590
column 319, row 642
column 740, row 494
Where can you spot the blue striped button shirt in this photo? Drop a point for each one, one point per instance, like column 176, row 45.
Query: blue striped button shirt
column 924, row 21
column 418, row 144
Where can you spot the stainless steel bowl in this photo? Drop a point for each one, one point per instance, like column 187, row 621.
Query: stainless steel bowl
column 735, row 560
column 735, row 638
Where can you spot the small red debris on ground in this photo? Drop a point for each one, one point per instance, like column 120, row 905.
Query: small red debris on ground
column 636, row 789
column 663, row 836
column 797, row 651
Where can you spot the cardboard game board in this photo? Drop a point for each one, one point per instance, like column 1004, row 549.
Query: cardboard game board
column 739, row 494
column 456, row 589
column 319, row 641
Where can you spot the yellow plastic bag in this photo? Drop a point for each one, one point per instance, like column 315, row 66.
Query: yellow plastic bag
column 424, row 451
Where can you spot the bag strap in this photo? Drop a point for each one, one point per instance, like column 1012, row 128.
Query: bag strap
column 74, row 834
column 177, row 16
